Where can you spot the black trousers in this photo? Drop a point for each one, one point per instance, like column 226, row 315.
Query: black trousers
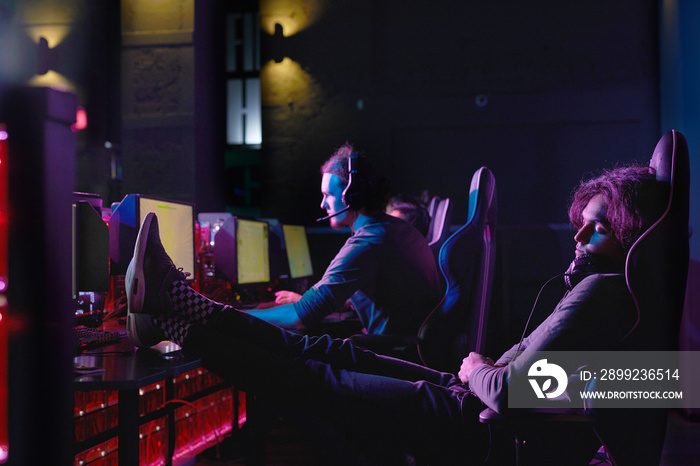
column 345, row 398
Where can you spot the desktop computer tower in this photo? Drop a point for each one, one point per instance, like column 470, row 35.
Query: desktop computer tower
column 40, row 162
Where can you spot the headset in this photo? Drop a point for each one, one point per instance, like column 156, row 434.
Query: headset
column 588, row 264
column 354, row 194
column 580, row 268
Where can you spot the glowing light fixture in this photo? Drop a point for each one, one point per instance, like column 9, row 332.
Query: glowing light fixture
column 293, row 15
column 50, row 19
column 243, row 122
column 243, row 108
column 81, row 120
column 54, row 34
column 284, row 82
column 48, row 23
column 53, row 80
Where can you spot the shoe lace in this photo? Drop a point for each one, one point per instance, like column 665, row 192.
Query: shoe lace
column 166, row 260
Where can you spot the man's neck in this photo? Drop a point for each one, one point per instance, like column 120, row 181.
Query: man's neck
column 363, row 218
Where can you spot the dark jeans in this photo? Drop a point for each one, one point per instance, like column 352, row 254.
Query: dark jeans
column 341, row 394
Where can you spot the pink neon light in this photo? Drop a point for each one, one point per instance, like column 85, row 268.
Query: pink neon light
column 81, row 119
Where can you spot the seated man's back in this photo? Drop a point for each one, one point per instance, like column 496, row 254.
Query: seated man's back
column 387, row 270
column 386, row 266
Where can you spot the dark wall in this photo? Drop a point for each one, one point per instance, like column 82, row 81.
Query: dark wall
column 540, row 92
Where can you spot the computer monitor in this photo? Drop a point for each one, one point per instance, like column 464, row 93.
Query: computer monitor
column 90, row 259
column 90, row 245
column 298, row 254
column 176, row 226
column 241, row 251
column 279, row 267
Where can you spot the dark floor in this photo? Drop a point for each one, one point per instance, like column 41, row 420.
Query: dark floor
column 682, row 447
column 285, row 448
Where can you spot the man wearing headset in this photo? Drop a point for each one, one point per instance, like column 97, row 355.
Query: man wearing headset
column 386, row 267
column 335, row 391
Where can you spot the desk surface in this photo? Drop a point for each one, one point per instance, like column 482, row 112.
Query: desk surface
column 120, row 365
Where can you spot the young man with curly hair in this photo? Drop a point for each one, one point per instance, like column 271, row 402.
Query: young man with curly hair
column 351, row 400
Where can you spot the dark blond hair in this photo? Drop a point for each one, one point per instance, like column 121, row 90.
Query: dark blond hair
column 375, row 189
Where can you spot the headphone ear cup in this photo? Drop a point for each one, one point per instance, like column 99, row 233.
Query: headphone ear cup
column 573, row 274
column 586, row 265
column 355, row 197
column 355, row 193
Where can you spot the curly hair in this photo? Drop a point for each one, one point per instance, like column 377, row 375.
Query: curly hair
column 635, row 200
column 375, row 189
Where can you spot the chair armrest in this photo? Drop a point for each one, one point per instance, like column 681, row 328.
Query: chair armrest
column 489, row 416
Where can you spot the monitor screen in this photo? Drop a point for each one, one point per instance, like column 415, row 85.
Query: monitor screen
column 298, row 253
column 90, row 259
column 90, row 249
column 252, row 251
column 176, row 226
column 279, row 268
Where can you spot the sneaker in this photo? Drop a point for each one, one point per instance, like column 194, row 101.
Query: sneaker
column 149, row 276
column 142, row 330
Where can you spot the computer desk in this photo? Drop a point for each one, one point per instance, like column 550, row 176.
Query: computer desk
column 150, row 385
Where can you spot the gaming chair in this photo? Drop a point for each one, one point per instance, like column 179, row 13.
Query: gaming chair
column 467, row 260
column 656, row 272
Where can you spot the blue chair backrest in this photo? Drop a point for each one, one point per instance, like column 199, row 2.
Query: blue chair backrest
column 440, row 222
column 467, row 260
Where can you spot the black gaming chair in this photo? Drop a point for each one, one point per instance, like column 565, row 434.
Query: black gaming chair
column 458, row 324
column 656, row 272
column 467, row 260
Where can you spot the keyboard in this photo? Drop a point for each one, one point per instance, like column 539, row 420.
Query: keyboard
column 86, row 337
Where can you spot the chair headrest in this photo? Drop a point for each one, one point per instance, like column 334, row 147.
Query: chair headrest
column 481, row 191
column 662, row 158
column 672, row 164
column 481, row 215
column 670, row 160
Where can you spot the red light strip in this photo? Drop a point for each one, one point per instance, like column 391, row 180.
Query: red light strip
column 4, row 333
column 4, row 208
